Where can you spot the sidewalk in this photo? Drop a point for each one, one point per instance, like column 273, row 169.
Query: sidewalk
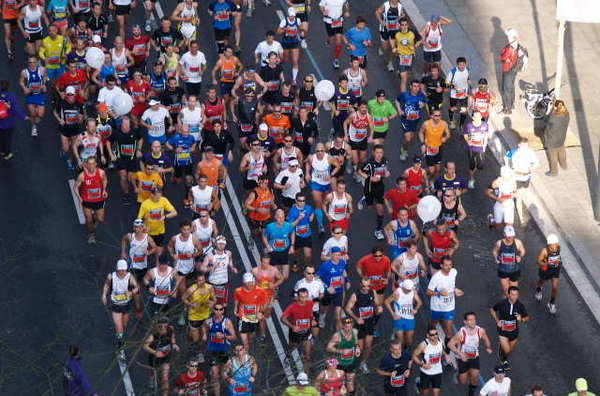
column 561, row 204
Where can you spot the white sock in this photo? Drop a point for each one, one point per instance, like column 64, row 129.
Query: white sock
column 294, row 74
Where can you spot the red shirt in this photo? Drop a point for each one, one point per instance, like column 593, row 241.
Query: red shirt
column 192, row 386
column 300, row 315
column 137, row 47
column 79, row 80
column 375, row 270
column 138, row 92
column 402, row 199
column 213, row 111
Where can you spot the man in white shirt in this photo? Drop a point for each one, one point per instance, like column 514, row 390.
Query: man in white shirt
column 497, row 386
column 290, row 182
column 191, row 67
column 264, row 48
column 334, row 12
column 109, row 92
column 156, row 120
column 458, row 81
column 523, row 161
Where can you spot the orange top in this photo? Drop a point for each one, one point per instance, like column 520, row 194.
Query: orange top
column 10, row 9
column 264, row 199
column 228, row 69
column 249, row 302
column 211, row 170
column 434, row 133
column 278, row 127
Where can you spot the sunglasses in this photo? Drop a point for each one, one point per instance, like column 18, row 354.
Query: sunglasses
column 432, row 334
column 338, row 233
column 288, row 140
column 320, row 151
column 378, row 255
column 310, row 273
column 255, row 144
column 193, row 365
column 203, row 216
column 300, row 200
column 219, row 309
column 308, row 81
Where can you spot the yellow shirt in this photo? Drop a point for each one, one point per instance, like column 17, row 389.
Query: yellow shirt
column 151, row 212
column 146, row 183
column 202, row 310
column 52, row 51
column 405, row 43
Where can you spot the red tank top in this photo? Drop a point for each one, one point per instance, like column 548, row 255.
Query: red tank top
column 481, row 102
column 213, row 111
column 92, row 187
column 414, row 180
column 440, row 244
column 361, row 123
column 332, row 384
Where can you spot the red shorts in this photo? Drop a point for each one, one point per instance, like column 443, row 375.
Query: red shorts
column 344, row 223
column 138, row 109
column 221, row 293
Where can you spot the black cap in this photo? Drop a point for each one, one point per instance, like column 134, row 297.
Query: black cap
column 483, row 81
column 165, row 259
column 417, row 159
column 499, row 369
column 380, row 92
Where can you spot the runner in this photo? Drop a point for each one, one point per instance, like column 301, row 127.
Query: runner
column 416, row 177
column 403, row 197
column 409, row 265
column 246, row 115
column 550, row 263
column 166, row 36
column 440, row 242
column 338, row 239
column 144, row 182
column 338, row 207
column 105, row 125
column 316, row 292
column 509, row 314
column 499, row 385
column 450, row 181
column 205, row 229
column 193, row 381
column 199, row 298
column 213, row 168
column 184, row 248
column 376, row 267
column 374, row 172
column 220, row 140
column 127, row 143
column 192, row 65
column 183, row 144
column 429, row 354
column 357, row 79
column 139, row 89
column 358, row 41
column 172, row 98
column 136, row 246
column 465, row 345
column 286, row 97
column 53, row 51
column 278, row 240
column 303, row 9
column 88, row 145
column 299, row 319
column 433, row 85
column 331, row 380
column 219, row 333
column 69, row 115
column 334, row 12
column 338, row 149
column 404, row 44
column 401, row 232
column 409, row 105
column 319, row 168
column 269, row 279
column 476, row 133
column 335, row 279
column 265, row 48
column 403, row 304
column 240, row 372
column 433, row 133
column 160, row 345
column 229, row 67
column 222, row 13
column 453, row 212
column 163, row 164
column 290, row 181
column 344, row 343
column 389, row 15
column 32, row 80
column 188, row 18
column 154, row 212
column 91, row 190
column 192, row 115
column 138, row 45
column 258, row 205
column 279, row 124
column 121, row 58
column 382, row 111
column 292, row 31
column 523, row 162
column 10, row 17
column 396, row 366
column 248, row 305
column 306, row 99
column 459, row 82
column 203, row 197
column 509, row 253
column 285, row 154
column 432, row 39
column 303, row 388
column 363, row 306
column 30, row 21
column 502, row 190
column 253, row 165
column 162, row 283
column 217, row 263
column 97, row 21
column 482, row 100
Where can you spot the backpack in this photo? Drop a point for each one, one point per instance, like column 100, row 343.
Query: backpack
column 519, row 65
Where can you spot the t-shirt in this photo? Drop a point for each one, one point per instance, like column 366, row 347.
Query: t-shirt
column 399, row 365
column 300, row 315
column 401, row 199
column 380, row 110
column 185, row 143
column 334, row 8
column 506, row 312
column 405, row 44
column 375, row 270
column 431, row 84
column 107, row 95
column 279, row 236
column 357, row 38
column 138, row 46
column 342, row 243
column 263, row 48
column 332, row 275
column 303, row 229
column 156, row 119
column 164, row 160
column 192, row 385
column 443, row 183
column 147, row 182
column 495, row 388
column 458, row 81
column 297, row 391
column 293, row 178
column 192, row 66
column 439, row 283
column 410, row 105
column 315, row 289
column 152, row 211
column 165, row 39
column 249, row 302
column 476, row 135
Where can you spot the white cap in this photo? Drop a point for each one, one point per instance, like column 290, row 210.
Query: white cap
column 552, row 239
column 509, row 231
column 291, row 11
column 138, row 223
column 263, row 127
column 70, row 90
column 302, row 378
column 505, row 171
column 122, row 265
column 96, row 38
column 511, row 33
column 293, row 162
column 221, row 239
column 407, row 284
column 153, row 102
column 248, row 277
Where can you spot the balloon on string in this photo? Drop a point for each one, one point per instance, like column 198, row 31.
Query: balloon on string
column 94, row 57
column 122, row 104
column 324, row 90
column 429, row 208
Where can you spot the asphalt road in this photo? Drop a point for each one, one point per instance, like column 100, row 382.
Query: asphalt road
column 52, row 279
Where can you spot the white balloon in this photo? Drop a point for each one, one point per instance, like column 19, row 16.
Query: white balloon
column 324, row 90
column 429, row 208
column 122, row 104
column 94, row 57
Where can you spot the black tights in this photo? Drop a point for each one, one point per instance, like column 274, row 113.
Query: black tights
column 5, row 140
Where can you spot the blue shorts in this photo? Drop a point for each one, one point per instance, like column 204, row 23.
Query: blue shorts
column 53, row 74
column 225, row 87
column 36, row 99
column 396, row 251
column 404, row 325
column 439, row 315
column 409, row 125
column 320, row 187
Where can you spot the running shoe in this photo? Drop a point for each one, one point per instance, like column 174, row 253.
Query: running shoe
column 200, row 357
column 70, row 165
column 148, row 26
column 322, row 320
column 452, row 124
column 471, row 184
column 378, row 234
column 390, row 67
column 380, row 51
column 363, row 367
column 538, row 296
column 303, row 44
column 249, row 12
column 403, row 154
column 552, row 308
column 361, row 203
column 336, row 63
column 181, row 319
column 91, row 238
column 8, row 156
column 267, row 2
column 34, row 132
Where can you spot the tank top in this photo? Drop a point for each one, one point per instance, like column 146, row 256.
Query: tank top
column 241, row 373
column 264, row 199
column 32, row 21
column 403, row 305
column 432, row 355
column 449, row 215
column 194, row 120
column 119, row 289
column 507, row 258
column 162, row 342
column 348, row 357
column 308, row 100
column 410, row 267
column 204, row 234
column 219, row 274
column 137, row 251
column 338, row 208
column 433, row 136
column 391, row 16
column 287, row 103
column 201, row 310
column 202, row 197
column 553, row 260
column 331, row 384
column 365, row 305
column 505, row 189
column 10, row 9
column 434, row 38
column 320, row 170
column 187, row 13
column 106, row 71
column 184, row 251
column 481, row 102
column 213, row 111
column 355, row 83
column 35, row 81
column 158, row 83
column 249, row 83
column 338, row 153
column 163, row 285
column 255, row 166
column 470, row 343
column 414, row 180
column 92, row 186
column 265, row 282
column 119, row 62
column 216, row 343
column 291, row 32
column 402, row 234
column 89, row 146
column 103, row 127
column 285, row 157
column 440, row 244
column 246, row 111
column 228, row 68
column 359, row 128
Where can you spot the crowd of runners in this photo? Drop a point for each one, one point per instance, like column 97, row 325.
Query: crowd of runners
column 194, row 123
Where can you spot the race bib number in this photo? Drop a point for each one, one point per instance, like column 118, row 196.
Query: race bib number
column 405, row 60
column 365, row 312
column 337, row 23
column 509, row 325
column 431, row 151
column 397, row 381
column 336, row 282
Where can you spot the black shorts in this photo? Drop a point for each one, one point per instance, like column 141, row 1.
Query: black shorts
column 93, row 205
column 70, row 131
column 434, row 104
column 247, row 327
column 196, row 324
column 249, row 184
column 550, row 273
column 336, row 300
column 287, row 202
column 300, row 242
column 430, row 57
column 162, row 309
column 189, row 276
column 389, row 391
column 123, row 309
column 298, row 338
column 257, row 224
column 476, row 159
column 159, row 239
column 358, row 146
column 387, row 34
column 333, row 31
column 374, row 193
column 122, row 9
column 216, row 358
column 11, row 22
column 130, row 165
column 193, row 88
column 154, row 361
column 222, row 34
column 454, row 102
column 512, row 276
column 433, row 160
column 139, row 273
column 367, row 329
column 82, row 16
column 33, row 37
column 225, row 87
column 434, row 265
column 290, row 45
column 247, row 134
column 470, row 364
column 280, row 258
column 430, row 381
column 522, row 184
column 183, row 170
column 511, row 335
column 380, row 135
column 349, row 368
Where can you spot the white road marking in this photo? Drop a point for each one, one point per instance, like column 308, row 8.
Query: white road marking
column 78, row 207
column 126, row 378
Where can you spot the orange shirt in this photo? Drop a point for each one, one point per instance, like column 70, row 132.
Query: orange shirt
column 249, row 302
column 264, row 199
column 211, row 170
column 278, row 127
column 228, row 69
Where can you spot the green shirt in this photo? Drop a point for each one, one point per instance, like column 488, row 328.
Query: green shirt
column 588, row 394
column 307, row 391
column 378, row 112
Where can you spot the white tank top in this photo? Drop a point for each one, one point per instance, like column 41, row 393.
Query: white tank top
column 505, row 188
column 410, row 267
column 434, row 38
column 120, row 287
column 163, row 286
column 355, row 83
column 403, row 305
column 32, row 21
column 204, row 234
column 433, row 356
column 89, row 146
column 184, row 251
column 219, row 273
column 119, row 62
column 470, row 343
column 194, row 119
column 320, row 169
column 137, row 251
column 285, row 157
column 202, row 197
column 255, row 167
column 338, row 207
column 188, row 13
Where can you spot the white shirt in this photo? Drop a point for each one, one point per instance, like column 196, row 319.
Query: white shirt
column 192, row 66
column 439, row 283
column 460, row 83
column 342, row 243
column 524, row 160
column 194, row 119
column 334, row 9
column 293, row 179
column 156, row 119
column 315, row 289
column 263, row 48
column 107, row 95
column 493, row 387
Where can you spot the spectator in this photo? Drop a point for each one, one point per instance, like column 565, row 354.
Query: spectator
column 9, row 109
column 76, row 382
column 555, row 134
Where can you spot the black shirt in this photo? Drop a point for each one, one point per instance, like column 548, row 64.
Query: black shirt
column 267, row 145
column 246, row 111
column 301, row 132
column 97, row 24
column 173, row 99
column 431, row 84
column 286, row 102
column 220, row 143
column 373, row 167
column 70, row 113
column 126, row 144
column 399, row 365
column 506, row 312
column 308, row 100
column 164, row 39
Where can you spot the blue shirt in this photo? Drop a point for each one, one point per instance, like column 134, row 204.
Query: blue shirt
column 186, row 143
column 410, row 104
column 75, row 381
column 303, row 229
column 356, row 38
column 222, row 14
column 15, row 110
column 279, row 236
column 333, row 275
column 443, row 183
column 58, row 8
